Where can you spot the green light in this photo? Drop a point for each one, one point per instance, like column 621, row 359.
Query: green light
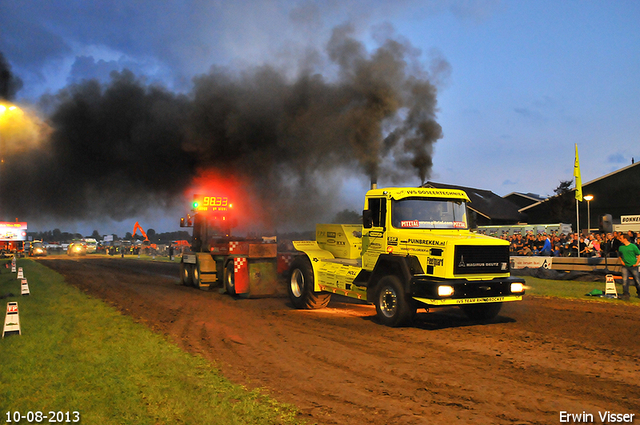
column 195, row 204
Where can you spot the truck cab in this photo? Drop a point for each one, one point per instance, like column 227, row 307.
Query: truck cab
column 414, row 249
column 246, row 267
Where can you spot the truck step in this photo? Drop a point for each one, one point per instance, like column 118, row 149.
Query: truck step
column 208, row 277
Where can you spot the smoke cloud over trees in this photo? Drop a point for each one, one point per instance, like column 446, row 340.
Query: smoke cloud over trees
column 117, row 149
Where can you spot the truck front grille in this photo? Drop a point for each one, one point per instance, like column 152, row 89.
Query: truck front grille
column 473, row 259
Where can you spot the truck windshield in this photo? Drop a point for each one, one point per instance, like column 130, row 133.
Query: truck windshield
column 428, row 214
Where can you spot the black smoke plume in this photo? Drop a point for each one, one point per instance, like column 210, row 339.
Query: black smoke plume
column 118, row 149
column 9, row 83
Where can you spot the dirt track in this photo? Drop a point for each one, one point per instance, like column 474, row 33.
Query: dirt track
column 538, row 358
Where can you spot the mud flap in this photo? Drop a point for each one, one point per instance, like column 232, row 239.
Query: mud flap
column 241, row 275
column 263, row 277
column 255, row 277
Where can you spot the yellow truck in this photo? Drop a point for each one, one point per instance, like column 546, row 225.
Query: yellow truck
column 414, row 249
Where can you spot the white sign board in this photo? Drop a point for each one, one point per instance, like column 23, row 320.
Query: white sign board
column 24, row 287
column 628, row 222
column 12, row 320
column 630, row 219
column 531, row 262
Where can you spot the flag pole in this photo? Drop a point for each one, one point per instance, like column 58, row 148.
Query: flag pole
column 576, row 174
column 578, row 224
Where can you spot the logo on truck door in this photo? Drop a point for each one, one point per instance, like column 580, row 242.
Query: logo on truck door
column 410, row 223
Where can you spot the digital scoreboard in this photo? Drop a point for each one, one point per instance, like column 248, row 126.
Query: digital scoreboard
column 211, row 204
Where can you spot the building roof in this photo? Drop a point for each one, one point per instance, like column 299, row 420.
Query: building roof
column 524, row 199
column 486, row 203
column 585, row 185
column 614, row 194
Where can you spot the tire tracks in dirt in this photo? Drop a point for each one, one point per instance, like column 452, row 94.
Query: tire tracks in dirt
column 539, row 357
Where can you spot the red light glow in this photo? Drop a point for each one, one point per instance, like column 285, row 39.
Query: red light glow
column 240, row 203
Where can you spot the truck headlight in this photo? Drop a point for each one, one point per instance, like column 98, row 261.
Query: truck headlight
column 445, row 291
column 517, row 288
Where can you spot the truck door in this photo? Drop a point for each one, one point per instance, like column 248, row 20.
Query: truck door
column 374, row 241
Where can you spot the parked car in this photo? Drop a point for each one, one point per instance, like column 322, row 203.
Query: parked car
column 77, row 248
column 92, row 245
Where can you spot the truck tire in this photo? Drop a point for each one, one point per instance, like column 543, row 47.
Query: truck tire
column 195, row 275
column 481, row 311
column 301, row 284
column 185, row 274
column 230, row 279
column 393, row 306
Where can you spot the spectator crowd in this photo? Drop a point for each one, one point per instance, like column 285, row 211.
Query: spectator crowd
column 561, row 245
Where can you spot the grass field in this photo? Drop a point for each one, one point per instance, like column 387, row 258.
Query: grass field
column 574, row 289
column 77, row 354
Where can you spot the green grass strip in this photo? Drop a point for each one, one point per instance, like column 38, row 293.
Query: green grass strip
column 574, row 289
column 77, row 353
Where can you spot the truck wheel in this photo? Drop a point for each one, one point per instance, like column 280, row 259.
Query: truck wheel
column 185, row 275
column 300, row 286
column 481, row 311
column 393, row 305
column 195, row 275
column 230, row 279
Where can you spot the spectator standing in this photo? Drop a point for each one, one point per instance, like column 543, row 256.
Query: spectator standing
column 629, row 255
column 608, row 246
column 597, row 248
column 615, row 242
column 546, row 246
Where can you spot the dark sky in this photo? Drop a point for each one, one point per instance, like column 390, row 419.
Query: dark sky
column 118, row 142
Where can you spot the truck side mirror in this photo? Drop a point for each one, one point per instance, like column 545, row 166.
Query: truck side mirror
column 367, row 219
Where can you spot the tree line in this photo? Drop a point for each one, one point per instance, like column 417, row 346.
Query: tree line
column 56, row 235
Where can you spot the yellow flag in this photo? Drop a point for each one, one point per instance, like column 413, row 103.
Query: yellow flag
column 576, row 174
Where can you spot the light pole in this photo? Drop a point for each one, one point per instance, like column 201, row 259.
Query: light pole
column 588, row 198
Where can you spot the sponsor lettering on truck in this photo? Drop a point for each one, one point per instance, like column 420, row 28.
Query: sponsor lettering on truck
column 414, row 249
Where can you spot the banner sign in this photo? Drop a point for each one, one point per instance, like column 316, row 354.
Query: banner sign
column 629, row 219
column 531, row 262
column 12, row 232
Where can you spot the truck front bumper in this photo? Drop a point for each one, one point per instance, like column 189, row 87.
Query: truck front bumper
column 426, row 290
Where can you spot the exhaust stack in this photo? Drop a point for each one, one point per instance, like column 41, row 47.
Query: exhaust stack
column 374, row 184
